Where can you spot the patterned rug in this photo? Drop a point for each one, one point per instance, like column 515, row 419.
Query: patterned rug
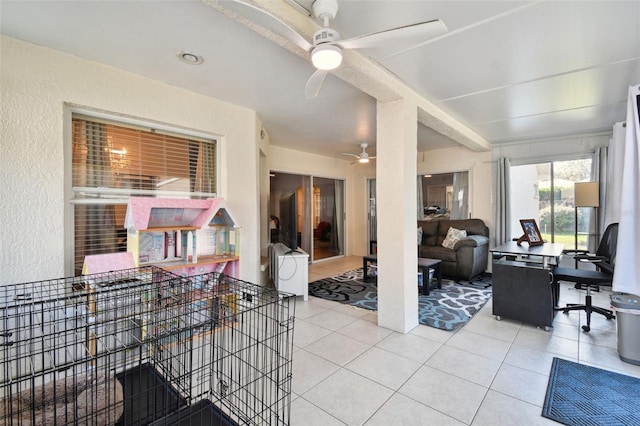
column 448, row 308
column 578, row 394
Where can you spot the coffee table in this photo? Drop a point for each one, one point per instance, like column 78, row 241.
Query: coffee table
column 372, row 258
column 423, row 264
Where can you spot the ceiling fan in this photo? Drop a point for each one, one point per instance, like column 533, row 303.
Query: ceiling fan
column 326, row 48
column 363, row 157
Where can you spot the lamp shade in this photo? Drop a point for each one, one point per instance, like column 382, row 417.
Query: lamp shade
column 587, row 194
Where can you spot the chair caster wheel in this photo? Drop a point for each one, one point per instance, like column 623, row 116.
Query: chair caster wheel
column 586, row 328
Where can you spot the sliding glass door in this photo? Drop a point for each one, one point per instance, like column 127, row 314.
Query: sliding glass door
column 544, row 192
column 318, row 210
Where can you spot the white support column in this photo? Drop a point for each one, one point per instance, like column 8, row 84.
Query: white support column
column 396, row 153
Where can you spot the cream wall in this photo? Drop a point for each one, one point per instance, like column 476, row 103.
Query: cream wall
column 36, row 85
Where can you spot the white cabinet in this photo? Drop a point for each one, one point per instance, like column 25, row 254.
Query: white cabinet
column 290, row 270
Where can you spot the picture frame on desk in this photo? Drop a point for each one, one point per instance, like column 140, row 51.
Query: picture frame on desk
column 531, row 232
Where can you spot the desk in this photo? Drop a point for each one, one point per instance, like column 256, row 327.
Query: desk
column 522, row 282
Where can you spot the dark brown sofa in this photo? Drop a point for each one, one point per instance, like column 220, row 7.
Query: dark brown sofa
column 469, row 256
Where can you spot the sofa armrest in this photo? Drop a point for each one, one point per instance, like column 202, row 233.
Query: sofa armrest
column 472, row 241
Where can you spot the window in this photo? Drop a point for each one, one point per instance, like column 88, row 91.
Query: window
column 544, row 192
column 444, row 194
column 112, row 161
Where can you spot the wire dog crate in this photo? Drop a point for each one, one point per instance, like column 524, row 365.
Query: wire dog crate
column 143, row 346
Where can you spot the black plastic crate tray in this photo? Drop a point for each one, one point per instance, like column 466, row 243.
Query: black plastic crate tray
column 203, row 413
column 147, row 396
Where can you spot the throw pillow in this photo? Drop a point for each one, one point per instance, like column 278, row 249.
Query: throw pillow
column 453, row 236
column 419, row 235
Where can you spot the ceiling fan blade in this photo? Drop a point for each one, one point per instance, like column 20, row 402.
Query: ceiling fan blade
column 411, row 33
column 312, row 88
column 351, row 155
column 277, row 25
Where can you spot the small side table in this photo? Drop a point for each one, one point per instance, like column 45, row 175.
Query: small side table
column 372, row 258
column 424, row 264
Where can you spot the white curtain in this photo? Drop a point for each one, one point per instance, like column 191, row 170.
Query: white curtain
column 420, row 200
column 502, row 213
column 611, row 212
column 626, row 277
column 336, row 226
column 306, row 239
column 598, row 174
column 460, row 207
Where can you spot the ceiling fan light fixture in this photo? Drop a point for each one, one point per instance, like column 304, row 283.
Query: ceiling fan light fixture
column 363, row 160
column 326, row 57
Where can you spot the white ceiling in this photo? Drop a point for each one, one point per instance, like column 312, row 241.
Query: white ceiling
column 504, row 71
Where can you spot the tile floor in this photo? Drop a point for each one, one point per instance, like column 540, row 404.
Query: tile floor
column 347, row 370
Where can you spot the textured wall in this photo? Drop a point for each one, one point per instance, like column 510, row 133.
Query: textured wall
column 37, row 85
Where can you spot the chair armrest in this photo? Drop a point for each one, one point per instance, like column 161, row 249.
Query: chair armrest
column 471, row 241
column 574, row 252
column 592, row 258
column 606, row 267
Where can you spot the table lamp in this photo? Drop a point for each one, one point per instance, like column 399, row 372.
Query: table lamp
column 586, row 194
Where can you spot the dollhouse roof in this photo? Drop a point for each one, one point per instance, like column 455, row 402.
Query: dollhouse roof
column 221, row 215
column 149, row 212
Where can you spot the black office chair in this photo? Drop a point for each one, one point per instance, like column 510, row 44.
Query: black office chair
column 604, row 260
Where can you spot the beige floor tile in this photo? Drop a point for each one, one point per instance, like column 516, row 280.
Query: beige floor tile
column 309, row 370
column 431, row 333
column 308, row 309
column 349, row 397
column 510, row 380
column 402, row 411
column 531, row 359
column 565, row 348
column 305, row 333
column 499, row 409
column 409, row 345
column 365, row 331
column 332, row 320
column 606, row 358
column 350, row 310
column 446, row 393
column 337, row 348
column 388, row 369
column 488, row 326
column 466, row 365
column 303, row 413
column 480, row 344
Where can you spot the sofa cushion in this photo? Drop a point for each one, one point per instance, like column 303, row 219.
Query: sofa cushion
column 437, row 252
column 453, row 236
column 429, row 232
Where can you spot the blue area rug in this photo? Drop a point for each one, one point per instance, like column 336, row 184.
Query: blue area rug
column 582, row 395
column 448, row 308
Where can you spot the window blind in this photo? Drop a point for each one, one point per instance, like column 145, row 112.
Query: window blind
column 112, row 161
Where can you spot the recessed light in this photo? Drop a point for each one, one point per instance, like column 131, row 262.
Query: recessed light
column 190, row 58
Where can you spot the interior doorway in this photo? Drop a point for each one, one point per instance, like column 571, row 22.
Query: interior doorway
column 308, row 212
